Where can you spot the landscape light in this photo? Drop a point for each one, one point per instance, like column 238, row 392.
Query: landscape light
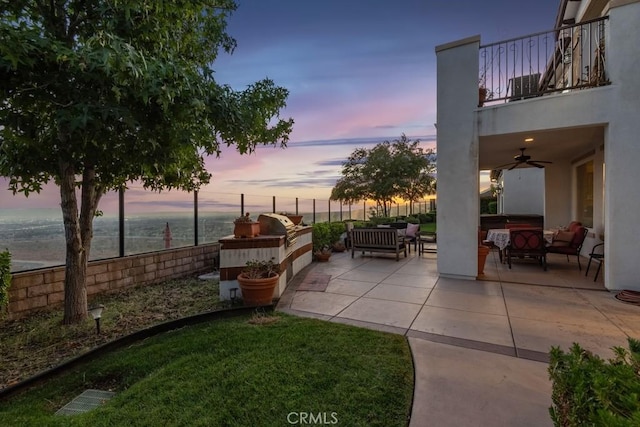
column 96, row 313
column 233, row 294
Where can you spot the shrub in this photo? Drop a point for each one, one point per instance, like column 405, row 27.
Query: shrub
column 337, row 228
column 493, row 207
column 588, row 390
column 321, row 236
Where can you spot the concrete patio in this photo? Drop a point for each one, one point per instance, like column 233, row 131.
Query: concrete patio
column 480, row 348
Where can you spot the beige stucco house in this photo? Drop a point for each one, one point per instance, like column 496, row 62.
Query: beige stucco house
column 570, row 96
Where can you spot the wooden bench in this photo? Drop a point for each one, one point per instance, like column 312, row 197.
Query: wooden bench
column 377, row 240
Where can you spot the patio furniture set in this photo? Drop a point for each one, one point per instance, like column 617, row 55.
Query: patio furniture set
column 524, row 240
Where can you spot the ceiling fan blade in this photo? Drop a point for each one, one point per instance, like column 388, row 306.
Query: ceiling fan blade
column 505, row 165
column 514, row 166
column 537, row 163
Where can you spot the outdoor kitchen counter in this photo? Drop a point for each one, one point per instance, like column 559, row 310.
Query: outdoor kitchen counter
column 235, row 252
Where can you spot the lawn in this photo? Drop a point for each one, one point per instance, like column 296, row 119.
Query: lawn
column 227, row 372
column 237, row 372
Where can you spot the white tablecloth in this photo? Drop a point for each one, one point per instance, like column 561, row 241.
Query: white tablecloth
column 500, row 236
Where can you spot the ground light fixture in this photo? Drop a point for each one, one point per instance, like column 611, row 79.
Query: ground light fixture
column 233, row 294
column 96, row 313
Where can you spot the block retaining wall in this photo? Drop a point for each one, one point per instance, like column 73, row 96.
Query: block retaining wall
column 44, row 288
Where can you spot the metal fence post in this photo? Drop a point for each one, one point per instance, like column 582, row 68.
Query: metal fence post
column 195, row 217
column 274, row 204
column 121, row 222
column 314, row 211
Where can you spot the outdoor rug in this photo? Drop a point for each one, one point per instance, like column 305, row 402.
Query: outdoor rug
column 631, row 297
column 314, row 282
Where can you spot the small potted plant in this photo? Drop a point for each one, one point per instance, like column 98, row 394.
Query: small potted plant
column 337, row 230
column 244, row 226
column 322, row 239
column 257, row 281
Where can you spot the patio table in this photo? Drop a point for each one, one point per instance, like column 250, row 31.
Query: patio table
column 500, row 237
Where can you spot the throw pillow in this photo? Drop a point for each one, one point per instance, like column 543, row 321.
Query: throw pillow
column 402, row 232
column 562, row 238
column 412, row 229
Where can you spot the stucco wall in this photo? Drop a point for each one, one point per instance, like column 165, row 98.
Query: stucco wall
column 523, row 191
column 44, row 288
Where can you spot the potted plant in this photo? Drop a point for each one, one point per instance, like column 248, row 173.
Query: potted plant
column 322, row 241
column 337, row 230
column 244, row 226
column 257, row 280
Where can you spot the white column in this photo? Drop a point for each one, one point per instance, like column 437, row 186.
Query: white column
column 458, row 213
column 622, row 149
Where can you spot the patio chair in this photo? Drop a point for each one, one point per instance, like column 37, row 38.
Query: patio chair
column 527, row 242
column 597, row 255
column 572, row 247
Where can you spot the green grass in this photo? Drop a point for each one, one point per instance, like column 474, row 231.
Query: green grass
column 429, row 226
column 235, row 373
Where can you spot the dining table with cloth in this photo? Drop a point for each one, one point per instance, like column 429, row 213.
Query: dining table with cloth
column 500, row 237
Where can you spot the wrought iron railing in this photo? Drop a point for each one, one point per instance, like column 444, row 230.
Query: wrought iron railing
column 567, row 58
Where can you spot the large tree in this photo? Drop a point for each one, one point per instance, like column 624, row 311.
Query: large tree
column 389, row 170
column 99, row 93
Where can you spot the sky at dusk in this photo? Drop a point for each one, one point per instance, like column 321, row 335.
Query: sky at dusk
column 358, row 72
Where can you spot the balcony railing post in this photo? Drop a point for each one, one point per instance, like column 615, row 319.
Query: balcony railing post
column 297, row 206
column 329, row 209
column 241, row 204
column 314, row 211
column 274, row 204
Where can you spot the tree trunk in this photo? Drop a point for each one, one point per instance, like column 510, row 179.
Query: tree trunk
column 75, row 292
column 78, row 230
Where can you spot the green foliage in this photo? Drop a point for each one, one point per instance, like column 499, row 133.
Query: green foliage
column 260, row 269
column 588, row 390
column 390, row 170
column 322, row 236
column 5, row 278
column 487, row 203
column 97, row 94
column 426, row 217
column 337, row 228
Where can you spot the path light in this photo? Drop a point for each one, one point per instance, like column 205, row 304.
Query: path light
column 233, row 294
column 96, row 313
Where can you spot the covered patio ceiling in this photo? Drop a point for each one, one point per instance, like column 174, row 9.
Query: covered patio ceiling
column 553, row 145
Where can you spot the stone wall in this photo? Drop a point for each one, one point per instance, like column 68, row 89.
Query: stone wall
column 44, row 288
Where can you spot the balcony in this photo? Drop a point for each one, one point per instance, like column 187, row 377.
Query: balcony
column 569, row 58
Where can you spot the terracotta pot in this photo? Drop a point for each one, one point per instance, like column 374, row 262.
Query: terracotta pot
column 295, row 219
column 338, row 247
column 322, row 256
column 257, row 291
column 246, row 229
column 483, row 251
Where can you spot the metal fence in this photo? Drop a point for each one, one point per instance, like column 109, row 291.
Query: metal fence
column 566, row 58
column 138, row 221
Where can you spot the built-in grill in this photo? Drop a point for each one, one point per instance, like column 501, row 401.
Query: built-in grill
column 278, row 225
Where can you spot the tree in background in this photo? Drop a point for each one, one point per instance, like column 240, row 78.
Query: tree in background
column 96, row 94
column 389, row 170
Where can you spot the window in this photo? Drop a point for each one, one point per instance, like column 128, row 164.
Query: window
column 584, row 189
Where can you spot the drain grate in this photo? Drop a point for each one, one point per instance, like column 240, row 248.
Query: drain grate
column 86, row 401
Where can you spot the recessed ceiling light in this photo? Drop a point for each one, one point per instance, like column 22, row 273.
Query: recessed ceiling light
column 528, row 140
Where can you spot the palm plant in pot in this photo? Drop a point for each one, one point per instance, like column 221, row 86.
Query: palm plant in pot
column 257, row 280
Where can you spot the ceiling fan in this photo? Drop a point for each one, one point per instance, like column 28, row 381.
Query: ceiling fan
column 523, row 159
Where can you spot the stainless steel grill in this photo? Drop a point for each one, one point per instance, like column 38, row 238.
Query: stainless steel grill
column 278, row 225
